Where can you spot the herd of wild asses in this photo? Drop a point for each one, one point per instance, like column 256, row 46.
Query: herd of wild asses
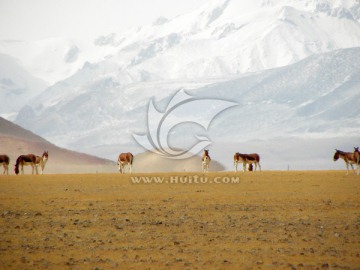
column 25, row 160
column 250, row 161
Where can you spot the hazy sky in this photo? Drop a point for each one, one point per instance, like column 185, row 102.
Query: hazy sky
column 39, row 19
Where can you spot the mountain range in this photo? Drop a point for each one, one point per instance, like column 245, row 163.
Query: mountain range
column 291, row 66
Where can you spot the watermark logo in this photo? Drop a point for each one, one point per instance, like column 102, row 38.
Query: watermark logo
column 186, row 179
column 182, row 108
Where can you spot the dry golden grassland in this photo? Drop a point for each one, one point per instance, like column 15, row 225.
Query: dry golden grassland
column 268, row 220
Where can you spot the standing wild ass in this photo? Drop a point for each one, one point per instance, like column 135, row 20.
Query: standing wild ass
column 246, row 159
column 205, row 159
column 125, row 159
column 41, row 161
column 349, row 158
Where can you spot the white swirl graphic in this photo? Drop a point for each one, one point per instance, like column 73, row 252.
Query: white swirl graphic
column 182, row 108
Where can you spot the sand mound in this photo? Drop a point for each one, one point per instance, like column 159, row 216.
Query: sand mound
column 150, row 162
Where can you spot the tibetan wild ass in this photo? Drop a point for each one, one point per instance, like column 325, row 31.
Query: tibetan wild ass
column 125, row 159
column 205, row 159
column 41, row 161
column 349, row 158
column 246, row 159
column 25, row 160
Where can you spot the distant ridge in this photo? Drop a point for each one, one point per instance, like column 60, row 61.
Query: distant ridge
column 9, row 129
column 15, row 141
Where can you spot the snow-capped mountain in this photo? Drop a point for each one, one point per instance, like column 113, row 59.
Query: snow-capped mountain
column 292, row 66
column 17, row 86
column 224, row 37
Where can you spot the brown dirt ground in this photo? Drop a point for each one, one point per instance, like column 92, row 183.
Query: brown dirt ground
column 269, row 220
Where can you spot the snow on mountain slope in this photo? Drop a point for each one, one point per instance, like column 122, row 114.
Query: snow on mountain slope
column 315, row 98
column 232, row 37
column 222, row 38
column 17, row 87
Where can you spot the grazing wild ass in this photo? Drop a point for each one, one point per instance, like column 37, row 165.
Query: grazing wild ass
column 205, row 159
column 4, row 161
column 349, row 158
column 125, row 159
column 246, row 159
column 41, row 161
column 25, row 160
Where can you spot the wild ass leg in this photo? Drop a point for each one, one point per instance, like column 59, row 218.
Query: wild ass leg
column 244, row 166
column 205, row 166
column 122, row 167
column 120, row 171
column 352, row 167
column 5, row 168
column 347, row 168
column 235, row 165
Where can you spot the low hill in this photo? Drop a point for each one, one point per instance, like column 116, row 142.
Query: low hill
column 15, row 141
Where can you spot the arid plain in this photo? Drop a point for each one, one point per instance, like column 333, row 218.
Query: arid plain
column 267, row 220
